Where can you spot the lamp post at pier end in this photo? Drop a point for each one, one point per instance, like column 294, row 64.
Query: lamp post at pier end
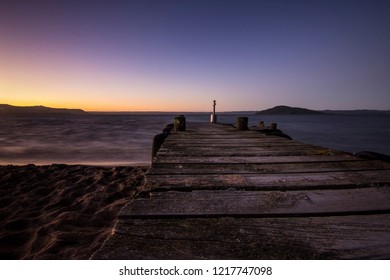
column 213, row 117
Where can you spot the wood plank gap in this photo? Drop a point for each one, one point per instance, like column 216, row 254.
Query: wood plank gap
column 166, row 188
column 268, row 172
column 254, row 216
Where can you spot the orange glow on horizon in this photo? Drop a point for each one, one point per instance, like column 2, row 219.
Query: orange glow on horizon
column 107, row 105
column 91, row 89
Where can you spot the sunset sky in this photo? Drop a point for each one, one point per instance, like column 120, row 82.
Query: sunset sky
column 173, row 55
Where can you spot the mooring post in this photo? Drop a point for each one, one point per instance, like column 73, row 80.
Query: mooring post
column 158, row 140
column 274, row 126
column 179, row 123
column 261, row 124
column 213, row 117
column 242, row 123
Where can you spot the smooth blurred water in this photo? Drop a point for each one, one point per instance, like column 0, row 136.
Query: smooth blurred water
column 350, row 133
column 91, row 139
column 126, row 139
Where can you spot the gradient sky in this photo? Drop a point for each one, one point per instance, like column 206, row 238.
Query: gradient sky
column 180, row 55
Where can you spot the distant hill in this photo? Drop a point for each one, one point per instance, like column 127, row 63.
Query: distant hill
column 9, row 110
column 358, row 112
column 287, row 110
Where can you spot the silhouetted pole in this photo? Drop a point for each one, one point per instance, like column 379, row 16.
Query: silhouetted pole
column 213, row 117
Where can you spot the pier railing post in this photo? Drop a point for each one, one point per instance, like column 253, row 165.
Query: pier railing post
column 242, row 123
column 179, row 123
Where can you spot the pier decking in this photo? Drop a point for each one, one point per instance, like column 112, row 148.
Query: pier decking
column 213, row 192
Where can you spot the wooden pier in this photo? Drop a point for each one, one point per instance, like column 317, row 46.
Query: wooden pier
column 214, row 192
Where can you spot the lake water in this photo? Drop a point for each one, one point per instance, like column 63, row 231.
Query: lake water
column 126, row 139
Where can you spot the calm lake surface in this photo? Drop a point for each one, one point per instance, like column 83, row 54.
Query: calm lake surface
column 126, row 139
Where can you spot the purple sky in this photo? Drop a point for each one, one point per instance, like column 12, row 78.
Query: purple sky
column 180, row 55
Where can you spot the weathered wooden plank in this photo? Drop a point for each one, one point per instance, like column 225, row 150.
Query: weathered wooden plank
column 256, row 159
column 238, row 144
column 258, row 204
column 215, row 149
column 239, row 168
column 249, row 135
column 201, row 126
column 218, row 132
column 283, row 181
column 335, row 237
column 250, row 151
column 235, row 141
column 221, row 138
column 226, row 137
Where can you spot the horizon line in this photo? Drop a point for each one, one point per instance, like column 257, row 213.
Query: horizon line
column 185, row 111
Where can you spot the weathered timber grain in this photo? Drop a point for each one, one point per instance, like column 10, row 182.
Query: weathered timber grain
column 215, row 192
column 245, row 151
column 334, row 237
column 259, row 204
column 256, row 159
column 283, row 181
column 266, row 168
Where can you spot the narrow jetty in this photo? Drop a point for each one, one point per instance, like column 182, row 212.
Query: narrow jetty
column 215, row 192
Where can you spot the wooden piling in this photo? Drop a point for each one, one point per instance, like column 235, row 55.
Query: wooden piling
column 179, row 123
column 158, row 140
column 274, row 126
column 242, row 123
column 261, row 124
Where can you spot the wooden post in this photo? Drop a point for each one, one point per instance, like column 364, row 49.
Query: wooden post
column 242, row 123
column 261, row 124
column 179, row 123
column 158, row 140
column 273, row 126
column 168, row 128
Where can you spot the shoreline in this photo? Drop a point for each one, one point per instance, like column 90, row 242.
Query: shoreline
column 142, row 164
column 61, row 211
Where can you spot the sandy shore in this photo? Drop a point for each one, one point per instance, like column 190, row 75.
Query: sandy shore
column 61, row 211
